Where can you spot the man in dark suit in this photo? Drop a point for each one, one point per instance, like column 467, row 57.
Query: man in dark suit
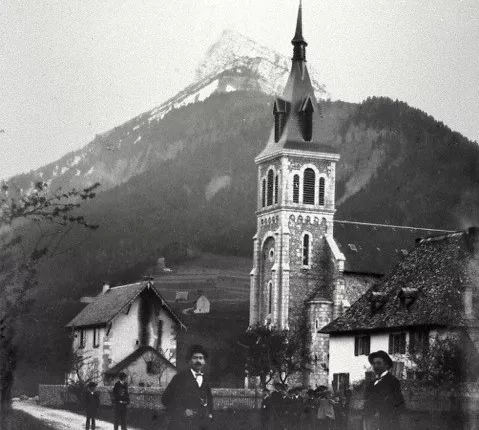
column 121, row 399
column 92, row 404
column 383, row 395
column 188, row 397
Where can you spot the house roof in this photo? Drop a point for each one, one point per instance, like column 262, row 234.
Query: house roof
column 376, row 248
column 107, row 306
column 438, row 268
column 117, row 368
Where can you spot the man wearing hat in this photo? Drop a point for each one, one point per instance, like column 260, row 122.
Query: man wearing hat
column 120, row 399
column 383, row 395
column 92, row 404
column 188, row 397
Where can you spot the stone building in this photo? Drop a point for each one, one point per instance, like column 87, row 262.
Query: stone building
column 308, row 267
column 431, row 292
column 127, row 328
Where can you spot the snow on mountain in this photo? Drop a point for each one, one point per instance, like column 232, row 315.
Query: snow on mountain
column 233, row 63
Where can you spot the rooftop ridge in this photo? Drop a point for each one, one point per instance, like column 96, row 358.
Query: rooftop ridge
column 395, row 226
column 441, row 237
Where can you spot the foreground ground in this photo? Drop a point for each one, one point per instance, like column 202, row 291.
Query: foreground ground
column 31, row 416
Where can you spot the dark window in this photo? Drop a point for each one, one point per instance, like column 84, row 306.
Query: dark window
column 276, row 184
column 418, row 341
column 150, row 367
column 82, row 338
column 296, row 189
column 263, row 194
column 362, row 345
column 397, row 343
column 270, row 188
column 308, row 187
column 306, row 246
column 307, row 125
column 321, row 191
column 270, row 296
column 278, row 125
column 96, row 337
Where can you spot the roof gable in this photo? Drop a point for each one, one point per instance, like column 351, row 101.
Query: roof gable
column 107, row 306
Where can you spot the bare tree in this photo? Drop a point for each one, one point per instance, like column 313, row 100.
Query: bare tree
column 82, row 371
column 33, row 226
column 276, row 354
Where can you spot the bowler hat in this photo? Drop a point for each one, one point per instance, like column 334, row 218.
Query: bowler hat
column 383, row 355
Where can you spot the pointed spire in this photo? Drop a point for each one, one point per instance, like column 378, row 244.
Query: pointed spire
column 299, row 50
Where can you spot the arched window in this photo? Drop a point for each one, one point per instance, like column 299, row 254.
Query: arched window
column 270, row 297
column 296, row 189
column 321, row 191
column 263, row 194
column 270, row 188
column 306, row 247
column 308, row 187
column 276, row 184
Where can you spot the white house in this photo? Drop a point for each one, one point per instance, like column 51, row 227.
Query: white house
column 127, row 328
column 430, row 292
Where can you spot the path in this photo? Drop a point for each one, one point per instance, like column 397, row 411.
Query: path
column 58, row 419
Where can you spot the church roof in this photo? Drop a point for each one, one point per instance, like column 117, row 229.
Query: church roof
column 106, row 306
column 376, row 248
column 437, row 269
column 298, row 97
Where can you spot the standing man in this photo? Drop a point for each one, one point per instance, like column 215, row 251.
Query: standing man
column 383, row 395
column 120, row 401
column 92, row 404
column 188, row 397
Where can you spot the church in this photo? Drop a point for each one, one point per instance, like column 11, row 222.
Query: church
column 307, row 266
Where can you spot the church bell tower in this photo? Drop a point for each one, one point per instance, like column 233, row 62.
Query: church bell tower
column 295, row 201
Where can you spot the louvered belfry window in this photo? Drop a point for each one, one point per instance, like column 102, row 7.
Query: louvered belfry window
column 276, row 184
column 308, row 187
column 296, row 189
column 306, row 250
column 321, row 191
column 263, row 194
column 270, row 188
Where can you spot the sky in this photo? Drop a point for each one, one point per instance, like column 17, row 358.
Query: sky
column 73, row 69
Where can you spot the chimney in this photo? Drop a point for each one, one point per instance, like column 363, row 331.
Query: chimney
column 105, row 288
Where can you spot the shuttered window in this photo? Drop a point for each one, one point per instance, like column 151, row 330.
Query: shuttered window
column 296, row 189
column 418, row 341
column 96, row 337
column 306, row 247
column 82, row 338
column 263, row 194
column 362, row 345
column 270, row 188
column 397, row 343
column 308, row 187
column 276, row 184
column 321, row 191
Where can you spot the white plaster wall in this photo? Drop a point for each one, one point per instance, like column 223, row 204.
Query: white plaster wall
column 343, row 360
column 137, row 374
column 93, row 356
column 124, row 334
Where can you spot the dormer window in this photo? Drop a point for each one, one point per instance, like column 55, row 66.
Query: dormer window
column 407, row 297
column 279, row 112
column 306, row 115
column 377, row 300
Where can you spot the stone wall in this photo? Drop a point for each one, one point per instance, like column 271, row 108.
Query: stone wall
column 150, row 398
